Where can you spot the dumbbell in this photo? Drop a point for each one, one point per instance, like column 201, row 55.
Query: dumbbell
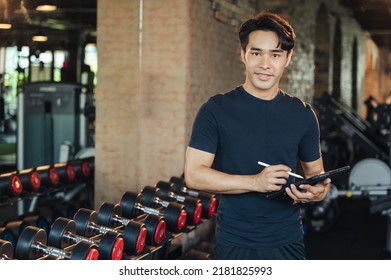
column 32, row 245
column 208, row 200
column 66, row 172
column 193, row 206
column 134, row 233
column 10, row 184
column 38, row 221
column 16, row 227
column 174, row 214
column 49, row 176
column 82, row 169
column 63, row 234
column 30, row 179
column 8, row 235
column 6, row 250
column 110, row 215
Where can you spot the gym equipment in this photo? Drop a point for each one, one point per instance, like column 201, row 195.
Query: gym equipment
column 133, row 233
column 66, row 172
column 157, row 195
column 174, row 214
column 32, row 245
column 209, row 201
column 383, row 206
column 6, row 250
column 30, row 179
column 336, row 116
column 370, row 177
column 38, row 221
column 82, row 169
column 10, row 184
column 16, row 227
column 109, row 214
column 48, row 175
column 322, row 216
column 8, row 235
column 49, row 115
column 63, row 234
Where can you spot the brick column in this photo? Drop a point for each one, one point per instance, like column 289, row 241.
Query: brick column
column 140, row 95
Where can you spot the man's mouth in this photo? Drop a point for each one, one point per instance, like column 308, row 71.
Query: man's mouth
column 263, row 76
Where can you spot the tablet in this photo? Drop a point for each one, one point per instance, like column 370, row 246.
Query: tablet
column 332, row 174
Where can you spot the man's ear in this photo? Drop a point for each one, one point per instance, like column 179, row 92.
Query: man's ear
column 289, row 58
column 242, row 55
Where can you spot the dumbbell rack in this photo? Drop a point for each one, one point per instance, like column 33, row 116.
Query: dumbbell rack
column 61, row 185
column 13, row 208
column 159, row 252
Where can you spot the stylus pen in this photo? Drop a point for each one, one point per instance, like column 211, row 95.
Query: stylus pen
column 290, row 173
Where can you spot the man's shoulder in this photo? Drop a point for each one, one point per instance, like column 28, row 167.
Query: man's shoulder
column 296, row 101
column 233, row 93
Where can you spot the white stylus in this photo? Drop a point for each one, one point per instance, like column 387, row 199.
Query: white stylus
column 290, row 173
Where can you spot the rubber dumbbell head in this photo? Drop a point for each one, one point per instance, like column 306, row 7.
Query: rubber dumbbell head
column 193, row 206
column 48, row 175
column 10, row 184
column 31, row 245
column 6, row 250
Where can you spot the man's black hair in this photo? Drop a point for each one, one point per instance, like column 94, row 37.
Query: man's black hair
column 268, row 21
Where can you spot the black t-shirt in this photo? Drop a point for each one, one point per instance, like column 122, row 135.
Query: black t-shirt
column 240, row 130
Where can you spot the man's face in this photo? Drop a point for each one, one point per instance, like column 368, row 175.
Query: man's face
column 265, row 64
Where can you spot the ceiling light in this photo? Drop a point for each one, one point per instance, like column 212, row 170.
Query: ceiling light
column 40, row 38
column 5, row 25
column 46, row 8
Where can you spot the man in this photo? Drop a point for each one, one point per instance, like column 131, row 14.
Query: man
column 257, row 122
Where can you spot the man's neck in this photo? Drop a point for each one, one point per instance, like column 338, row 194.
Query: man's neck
column 261, row 94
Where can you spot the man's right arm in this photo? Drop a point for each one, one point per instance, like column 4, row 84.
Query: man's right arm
column 200, row 175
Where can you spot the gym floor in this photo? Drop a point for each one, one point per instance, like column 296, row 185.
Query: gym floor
column 356, row 235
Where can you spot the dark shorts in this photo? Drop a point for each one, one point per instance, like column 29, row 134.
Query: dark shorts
column 293, row 251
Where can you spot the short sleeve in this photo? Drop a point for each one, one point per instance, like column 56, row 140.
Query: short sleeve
column 309, row 147
column 205, row 130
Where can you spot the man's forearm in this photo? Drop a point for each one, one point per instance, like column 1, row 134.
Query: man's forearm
column 207, row 179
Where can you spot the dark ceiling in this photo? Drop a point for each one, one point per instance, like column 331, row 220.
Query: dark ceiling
column 374, row 16
column 76, row 18
column 72, row 20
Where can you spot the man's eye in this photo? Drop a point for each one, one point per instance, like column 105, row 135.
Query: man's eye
column 255, row 53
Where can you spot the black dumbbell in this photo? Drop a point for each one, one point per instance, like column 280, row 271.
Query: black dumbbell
column 82, row 169
column 38, row 221
column 110, row 215
column 134, row 233
column 192, row 205
column 208, row 200
column 63, row 234
column 8, row 235
column 174, row 214
column 6, row 250
column 30, row 179
column 149, row 198
column 66, row 172
column 49, row 176
column 16, row 227
column 32, row 245
column 10, row 184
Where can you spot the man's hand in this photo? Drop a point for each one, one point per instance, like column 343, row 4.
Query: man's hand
column 314, row 193
column 271, row 178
